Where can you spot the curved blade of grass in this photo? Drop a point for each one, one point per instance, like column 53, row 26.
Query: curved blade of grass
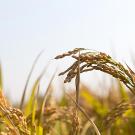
column 1, row 79
column 39, row 128
column 31, row 100
column 34, row 108
column 85, row 114
column 35, row 104
column 28, row 79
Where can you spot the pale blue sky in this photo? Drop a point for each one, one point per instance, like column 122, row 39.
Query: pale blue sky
column 28, row 26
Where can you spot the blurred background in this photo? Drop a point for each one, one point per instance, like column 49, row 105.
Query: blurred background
column 29, row 26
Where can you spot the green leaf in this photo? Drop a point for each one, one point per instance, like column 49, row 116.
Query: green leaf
column 31, row 101
column 43, row 104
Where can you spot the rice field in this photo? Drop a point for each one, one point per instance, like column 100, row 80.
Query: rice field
column 80, row 112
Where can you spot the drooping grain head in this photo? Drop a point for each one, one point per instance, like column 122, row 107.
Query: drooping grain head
column 93, row 60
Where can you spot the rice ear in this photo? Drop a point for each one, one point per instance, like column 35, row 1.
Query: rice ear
column 93, row 60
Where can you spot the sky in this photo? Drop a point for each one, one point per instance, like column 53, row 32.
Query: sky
column 29, row 26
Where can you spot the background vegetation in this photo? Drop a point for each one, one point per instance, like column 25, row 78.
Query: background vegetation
column 80, row 112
